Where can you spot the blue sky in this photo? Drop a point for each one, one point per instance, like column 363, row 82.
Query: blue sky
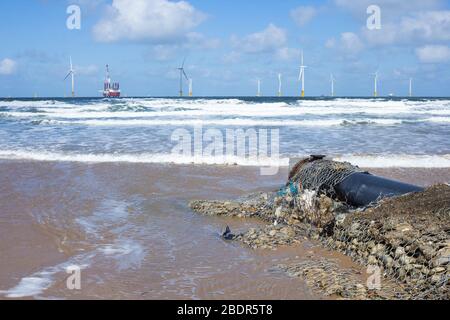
column 228, row 44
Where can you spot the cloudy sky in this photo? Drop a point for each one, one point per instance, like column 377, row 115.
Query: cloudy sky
column 229, row 44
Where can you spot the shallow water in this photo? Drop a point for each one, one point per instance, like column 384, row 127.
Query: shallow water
column 130, row 229
column 93, row 183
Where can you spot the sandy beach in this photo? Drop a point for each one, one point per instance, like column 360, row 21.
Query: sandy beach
column 132, row 230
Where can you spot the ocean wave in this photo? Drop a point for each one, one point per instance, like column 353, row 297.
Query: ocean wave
column 225, row 122
column 438, row 119
column 223, row 107
column 367, row 161
column 150, row 158
column 243, row 112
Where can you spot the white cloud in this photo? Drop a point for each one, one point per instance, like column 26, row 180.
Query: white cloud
column 433, row 53
column 303, row 14
column 287, row 54
column 270, row 39
column 349, row 44
column 418, row 28
column 157, row 21
column 8, row 66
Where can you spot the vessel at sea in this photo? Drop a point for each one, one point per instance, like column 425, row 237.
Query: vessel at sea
column 110, row 89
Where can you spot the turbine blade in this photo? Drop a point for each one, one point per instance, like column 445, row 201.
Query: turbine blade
column 300, row 75
column 70, row 72
column 185, row 75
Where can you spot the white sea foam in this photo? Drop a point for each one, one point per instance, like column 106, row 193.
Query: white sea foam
column 438, row 119
column 28, row 287
column 227, row 122
column 141, row 158
column 149, row 108
column 374, row 161
column 35, row 284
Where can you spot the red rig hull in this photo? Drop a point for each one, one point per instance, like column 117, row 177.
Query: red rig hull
column 111, row 94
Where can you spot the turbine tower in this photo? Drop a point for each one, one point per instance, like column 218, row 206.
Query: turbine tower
column 72, row 74
column 279, row 85
column 301, row 77
column 332, row 79
column 182, row 73
column 375, row 92
column 190, row 87
column 258, row 94
column 410, row 87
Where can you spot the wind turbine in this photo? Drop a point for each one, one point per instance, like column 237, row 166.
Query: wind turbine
column 182, row 73
column 410, row 87
column 279, row 85
column 375, row 91
column 301, row 77
column 258, row 94
column 332, row 79
column 190, row 87
column 72, row 74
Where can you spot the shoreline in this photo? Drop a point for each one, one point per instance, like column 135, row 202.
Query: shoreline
column 54, row 212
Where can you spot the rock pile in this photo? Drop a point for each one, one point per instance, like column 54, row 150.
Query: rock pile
column 408, row 236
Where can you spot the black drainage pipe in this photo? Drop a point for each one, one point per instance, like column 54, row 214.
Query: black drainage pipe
column 361, row 189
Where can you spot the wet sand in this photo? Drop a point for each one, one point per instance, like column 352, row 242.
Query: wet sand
column 130, row 229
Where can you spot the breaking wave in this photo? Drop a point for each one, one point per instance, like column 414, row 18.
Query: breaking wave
column 366, row 161
column 141, row 158
column 224, row 122
column 143, row 108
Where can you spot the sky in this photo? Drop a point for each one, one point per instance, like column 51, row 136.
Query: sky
column 228, row 46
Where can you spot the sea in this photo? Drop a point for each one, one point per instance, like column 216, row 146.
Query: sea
column 97, row 190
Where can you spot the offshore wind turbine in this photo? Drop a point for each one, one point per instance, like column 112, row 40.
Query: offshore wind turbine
column 410, row 87
column 301, row 76
column 182, row 73
column 332, row 79
column 190, row 87
column 279, row 85
column 375, row 91
column 72, row 74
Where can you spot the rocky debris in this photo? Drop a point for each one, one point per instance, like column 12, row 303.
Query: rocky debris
column 273, row 236
column 407, row 236
column 250, row 206
column 327, row 277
